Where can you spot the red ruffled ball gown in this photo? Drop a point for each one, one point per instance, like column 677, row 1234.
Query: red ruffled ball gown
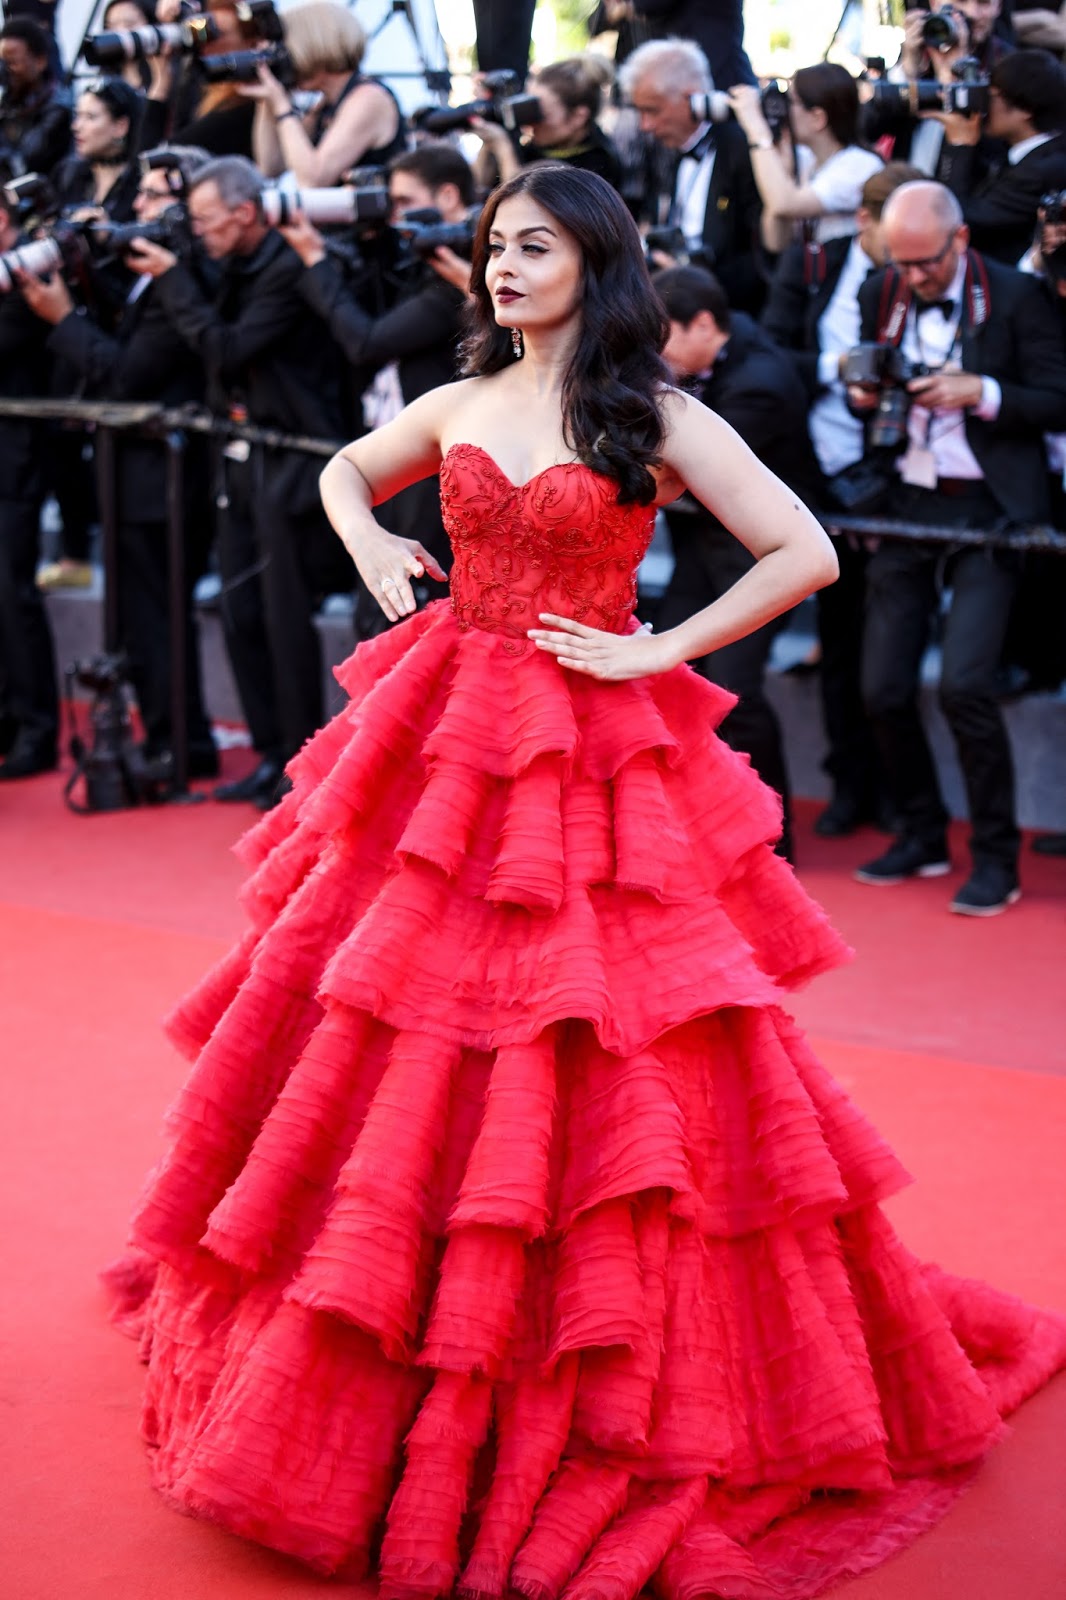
column 510, row 1237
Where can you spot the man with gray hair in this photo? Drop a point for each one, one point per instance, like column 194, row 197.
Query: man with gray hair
column 268, row 359
column 710, row 202
column 990, row 346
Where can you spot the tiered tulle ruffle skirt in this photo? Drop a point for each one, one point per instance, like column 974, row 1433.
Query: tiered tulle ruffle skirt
column 510, row 1237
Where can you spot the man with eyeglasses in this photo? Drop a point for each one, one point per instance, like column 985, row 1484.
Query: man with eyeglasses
column 146, row 359
column 995, row 356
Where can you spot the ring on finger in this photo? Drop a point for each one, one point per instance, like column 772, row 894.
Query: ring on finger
column 391, row 581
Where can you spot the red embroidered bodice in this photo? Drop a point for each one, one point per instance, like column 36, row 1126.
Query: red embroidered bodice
column 560, row 543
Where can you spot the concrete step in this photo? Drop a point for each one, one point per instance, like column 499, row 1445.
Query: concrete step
column 1036, row 723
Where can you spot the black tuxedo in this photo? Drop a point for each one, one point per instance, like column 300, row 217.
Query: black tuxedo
column 755, row 390
column 800, row 290
column 1020, row 344
column 1001, row 207
column 730, row 236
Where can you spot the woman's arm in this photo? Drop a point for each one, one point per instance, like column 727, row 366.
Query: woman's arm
column 365, row 118
column 373, row 469
column 794, row 556
column 781, row 194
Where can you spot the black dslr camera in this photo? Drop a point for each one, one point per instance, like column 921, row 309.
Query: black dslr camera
column 188, row 36
column 424, row 230
column 715, row 107
column 884, row 369
column 968, row 95
column 260, row 23
column 114, row 770
column 945, row 29
column 503, row 104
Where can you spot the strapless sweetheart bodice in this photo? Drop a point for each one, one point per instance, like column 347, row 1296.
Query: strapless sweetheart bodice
column 559, row 543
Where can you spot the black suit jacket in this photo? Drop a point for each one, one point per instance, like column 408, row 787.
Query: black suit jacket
column 1021, row 345
column 730, row 242
column 24, row 372
column 800, row 290
column 1001, row 208
column 262, row 345
column 144, row 359
column 755, row 388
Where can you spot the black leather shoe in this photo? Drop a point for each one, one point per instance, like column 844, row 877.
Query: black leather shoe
column 990, row 889
column 906, row 858
column 273, row 797
column 844, row 813
column 27, row 757
column 1050, row 844
column 261, row 781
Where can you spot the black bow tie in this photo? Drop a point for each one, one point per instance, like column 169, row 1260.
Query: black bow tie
column 945, row 307
column 700, row 148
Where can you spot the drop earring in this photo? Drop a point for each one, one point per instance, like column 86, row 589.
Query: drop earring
column 516, row 343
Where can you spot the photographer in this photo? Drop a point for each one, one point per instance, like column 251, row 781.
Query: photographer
column 730, row 365
column 27, row 658
column 966, row 34
column 34, row 108
column 103, row 171
column 831, row 166
column 359, row 122
column 713, row 206
column 989, row 348
column 570, row 94
column 420, row 331
column 267, row 359
column 145, row 359
column 813, row 313
column 1027, row 104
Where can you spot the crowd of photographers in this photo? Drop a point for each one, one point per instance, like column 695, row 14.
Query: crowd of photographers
column 865, row 276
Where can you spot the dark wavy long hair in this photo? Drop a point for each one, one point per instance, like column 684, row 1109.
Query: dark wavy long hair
column 612, row 392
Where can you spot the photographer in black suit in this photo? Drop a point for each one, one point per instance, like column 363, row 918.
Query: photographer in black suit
column 992, row 346
column 734, row 368
column 267, row 358
column 144, row 358
column 1027, row 106
column 713, row 207
column 813, row 313
column 30, row 704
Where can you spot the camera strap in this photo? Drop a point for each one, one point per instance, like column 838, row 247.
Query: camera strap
column 896, row 300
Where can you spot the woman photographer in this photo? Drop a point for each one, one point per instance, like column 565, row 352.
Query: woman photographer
column 102, row 172
column 570, row 93
column 358, row 123
column 831, row 164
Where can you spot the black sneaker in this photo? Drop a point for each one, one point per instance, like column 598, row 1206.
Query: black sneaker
column 906, row 858
column 991, row 888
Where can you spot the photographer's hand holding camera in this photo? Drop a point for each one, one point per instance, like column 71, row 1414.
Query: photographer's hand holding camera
column 968, row 361
column 358, row 123
column 1026, row 104
column 830, row 166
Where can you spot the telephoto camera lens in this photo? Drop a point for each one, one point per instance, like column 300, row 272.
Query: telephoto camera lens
column 40, row 258
column 326, row 208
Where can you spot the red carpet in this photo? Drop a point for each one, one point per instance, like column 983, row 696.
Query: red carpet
column 949, row 1033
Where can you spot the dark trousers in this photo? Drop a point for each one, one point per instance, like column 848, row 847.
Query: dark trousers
column 69, row 476
column 504, row 29
column 27, row 654
column 851, row 758
column 707, row 562
column 144, row 622
column 903, row 583
column 241, row 606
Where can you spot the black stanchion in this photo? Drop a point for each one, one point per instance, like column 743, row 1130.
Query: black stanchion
column 176, row 580
column 104, row 452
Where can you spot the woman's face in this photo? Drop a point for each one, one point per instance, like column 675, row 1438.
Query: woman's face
column 534, row 268
column 557, row 125
column 98, row 136
column 124, row 14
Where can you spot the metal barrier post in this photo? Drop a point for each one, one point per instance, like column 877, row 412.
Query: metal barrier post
column 176, row 606
column 104, row 450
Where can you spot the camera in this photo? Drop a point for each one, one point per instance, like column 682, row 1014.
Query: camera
column 242, row 66
column 884, row 368
column 715, row 107
column 62, row 251
column 425, row 230
column 114, row 769
column 503, row 105
column 327, row 207
column 110, row 239
column 968, row 96
column 946, row 29
column 187, row 37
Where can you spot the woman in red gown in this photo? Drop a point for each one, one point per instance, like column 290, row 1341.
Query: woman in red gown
column 510, row 1237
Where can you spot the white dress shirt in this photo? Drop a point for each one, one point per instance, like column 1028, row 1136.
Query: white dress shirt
column 692, row 187
column 935, row 339
column 836, row 433
column 838, row 183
